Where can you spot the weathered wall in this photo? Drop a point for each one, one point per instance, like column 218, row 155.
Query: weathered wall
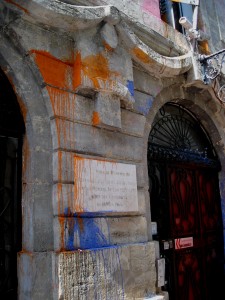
column 80, row 126
column 86, row 98
column 212, row 22
column 138, row 9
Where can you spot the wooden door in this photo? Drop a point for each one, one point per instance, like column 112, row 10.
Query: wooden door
column 185, row 203
column 196, row 231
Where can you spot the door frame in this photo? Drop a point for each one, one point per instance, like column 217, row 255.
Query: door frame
column 157, row 153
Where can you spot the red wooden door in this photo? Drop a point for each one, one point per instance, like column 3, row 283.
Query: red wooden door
column 196, row 258
column 185, row 203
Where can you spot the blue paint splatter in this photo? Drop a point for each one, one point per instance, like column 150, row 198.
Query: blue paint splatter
column 121, row 272
column 145, row 108
column 89, row 234
column 130, row 86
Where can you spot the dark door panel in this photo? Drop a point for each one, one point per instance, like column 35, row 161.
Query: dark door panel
column 10, row 231
column 194, row 262
column 185, row 202
column 11, row 133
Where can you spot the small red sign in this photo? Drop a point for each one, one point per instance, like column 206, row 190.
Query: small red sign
column 184, row 243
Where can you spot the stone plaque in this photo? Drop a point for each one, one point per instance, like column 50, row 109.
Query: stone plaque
column 103, row 186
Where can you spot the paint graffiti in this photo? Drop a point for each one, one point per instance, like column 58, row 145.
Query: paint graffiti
column 96, row 118
column 141, row 55
column 130, row 86
column 144, row 109
column 63, row 103
column 55, row 72
column 83, row 233
column 91, row 71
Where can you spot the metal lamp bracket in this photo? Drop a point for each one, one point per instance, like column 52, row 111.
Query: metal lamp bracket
column 212, row 66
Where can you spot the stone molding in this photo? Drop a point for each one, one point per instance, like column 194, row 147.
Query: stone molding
column 70, row 18
column 149, row 59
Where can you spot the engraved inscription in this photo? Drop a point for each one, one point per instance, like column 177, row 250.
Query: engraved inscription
column 104, row 186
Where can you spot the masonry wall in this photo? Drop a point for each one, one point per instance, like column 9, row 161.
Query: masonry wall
column 111, row 256
column 97, row 105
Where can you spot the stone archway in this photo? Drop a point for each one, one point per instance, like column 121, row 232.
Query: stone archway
column 37, row 211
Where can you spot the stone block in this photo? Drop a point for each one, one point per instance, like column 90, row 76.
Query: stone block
column 33, row 167
column 132, row 123
column 55, row 72
column 45, row 40
column 109, row 36
column 32, row 284
column 39, row 133
column 42, row 218
column 78, row 232
column 142, row 198
column 107, row 112
column 147, row 84
column 142, row 177
column 64, row 169
column 90, row 140
column 103, row 274
column 143, row 103
column 70, row 106
column 142, row 259
column 64, row 203
column 92, row 274
column 104, row 186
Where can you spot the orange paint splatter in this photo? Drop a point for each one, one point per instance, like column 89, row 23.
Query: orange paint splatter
column 107, row 46
column 54, row 71
column 80, row 222
column 78, row 193
column 60, row 165
column 96, row 118
column 17, row 5
column 62, row 234
column 63, row 102
column 96, row 68
column 204, row 47
column 140, row 54
column 57, row 123
column 59, row 197
column 71, row 74
column 77, row 70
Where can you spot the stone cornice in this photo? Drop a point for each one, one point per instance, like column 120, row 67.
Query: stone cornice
column 70, row 18
column 63, row 16
column 152, row 61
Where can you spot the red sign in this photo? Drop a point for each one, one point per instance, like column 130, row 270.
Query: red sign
column 183, row 243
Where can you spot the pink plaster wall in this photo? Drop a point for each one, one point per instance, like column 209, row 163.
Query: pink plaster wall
column 151, row 6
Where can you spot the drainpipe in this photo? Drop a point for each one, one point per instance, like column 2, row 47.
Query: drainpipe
column 166, row 10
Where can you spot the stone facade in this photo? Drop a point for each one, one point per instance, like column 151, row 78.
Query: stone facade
column 89, row 81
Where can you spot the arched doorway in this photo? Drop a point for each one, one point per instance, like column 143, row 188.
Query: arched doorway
column 11, row 134
column 185, row 203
